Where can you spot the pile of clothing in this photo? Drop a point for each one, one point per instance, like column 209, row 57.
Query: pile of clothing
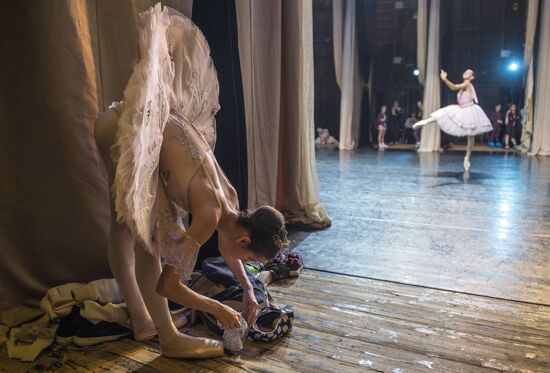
column 83, row 314
column 215, row 280
column 86, row 315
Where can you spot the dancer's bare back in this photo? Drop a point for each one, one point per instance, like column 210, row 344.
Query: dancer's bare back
column 209, row 195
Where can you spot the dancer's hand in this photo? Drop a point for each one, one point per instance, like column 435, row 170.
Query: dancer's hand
column 443, row 74
column 251, row 307
column 228, row 317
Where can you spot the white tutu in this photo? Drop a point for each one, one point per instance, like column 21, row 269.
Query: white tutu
column 462, row 121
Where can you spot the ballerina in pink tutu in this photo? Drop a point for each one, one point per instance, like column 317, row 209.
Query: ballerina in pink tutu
column 465, row 119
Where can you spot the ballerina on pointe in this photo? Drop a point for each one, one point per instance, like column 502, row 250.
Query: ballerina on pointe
column 465, row 119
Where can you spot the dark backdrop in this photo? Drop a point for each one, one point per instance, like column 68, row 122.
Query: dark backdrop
column 217, row 20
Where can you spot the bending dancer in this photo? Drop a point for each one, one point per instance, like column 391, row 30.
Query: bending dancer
column 465, row 119
column 157, row 147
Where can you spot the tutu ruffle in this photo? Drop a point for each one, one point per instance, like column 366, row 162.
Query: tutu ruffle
column 462, row 121
column 174, row 75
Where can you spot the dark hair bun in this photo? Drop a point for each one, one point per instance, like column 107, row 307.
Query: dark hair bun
column 267, row 230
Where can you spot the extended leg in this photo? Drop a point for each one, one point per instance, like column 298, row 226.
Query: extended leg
column 423, row 122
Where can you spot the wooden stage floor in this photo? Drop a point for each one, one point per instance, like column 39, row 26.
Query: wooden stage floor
column 431, row 272
column 415, row 218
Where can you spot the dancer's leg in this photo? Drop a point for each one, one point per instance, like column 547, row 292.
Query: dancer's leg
column 121, row 243
column 498, row 137
column 416, row 134
column 423, row 122
column 492, row 136
column 172, row 342
column 122, row 263
column 383, row 138
column 469, row 148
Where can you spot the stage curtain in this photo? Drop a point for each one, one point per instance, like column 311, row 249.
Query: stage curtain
column 431, row 135
column 276, row 53
column 348, row 73
column 421, row 39
column 63, row 62
column 541, row 127
column 530, row 32
column 541, row 120
column 338, row 37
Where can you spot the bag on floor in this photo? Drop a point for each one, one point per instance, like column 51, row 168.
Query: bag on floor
column 216, row 281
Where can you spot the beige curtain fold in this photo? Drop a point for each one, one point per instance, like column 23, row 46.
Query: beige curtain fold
column 421, row 39
column 259, row 34
column 276, row 53
column 431, row 135
column 338, row 37
column 541, row 119
column 67, row 60
column 530, row 32
column 348, row 73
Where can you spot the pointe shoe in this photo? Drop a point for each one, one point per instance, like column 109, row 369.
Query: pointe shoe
column 145, row 333
column 186, row 347
column 466, row 164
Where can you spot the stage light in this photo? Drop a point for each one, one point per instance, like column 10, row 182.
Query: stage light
column 513, row 66
column 416, row 72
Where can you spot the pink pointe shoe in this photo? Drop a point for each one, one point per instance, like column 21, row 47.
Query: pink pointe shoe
column 187, row 347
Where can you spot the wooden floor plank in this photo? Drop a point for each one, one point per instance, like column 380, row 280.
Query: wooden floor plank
column 438, row 273
column 414, row 218
column 346, row 324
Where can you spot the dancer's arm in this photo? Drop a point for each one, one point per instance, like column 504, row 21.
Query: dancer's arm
column 236, row 266
column 204, row 223
column 451, row 85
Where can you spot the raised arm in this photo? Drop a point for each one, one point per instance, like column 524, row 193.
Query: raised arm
column 451, row 85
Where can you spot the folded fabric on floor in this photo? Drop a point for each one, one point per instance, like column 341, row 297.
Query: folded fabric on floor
column 77, row 330
column 285, row 265
column 3, row 334
column 31, row 330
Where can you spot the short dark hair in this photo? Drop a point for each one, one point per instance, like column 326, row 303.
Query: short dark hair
column 267, row 230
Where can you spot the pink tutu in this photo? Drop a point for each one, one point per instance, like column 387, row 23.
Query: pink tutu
column 462, row 121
